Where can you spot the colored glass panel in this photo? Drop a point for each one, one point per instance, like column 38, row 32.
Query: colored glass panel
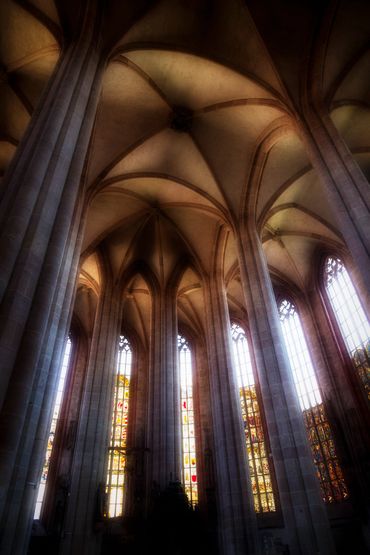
column 351, row 318
column 329, row 473
column 259, row 466
column 189, row 463
column 118, row 443
column 54, row 421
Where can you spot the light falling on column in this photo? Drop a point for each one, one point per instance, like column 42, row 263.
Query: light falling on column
column 189, row 466
column 259, row 468
column 118, row 442
column 54, row 421
column 319, row 433
column 351, row 317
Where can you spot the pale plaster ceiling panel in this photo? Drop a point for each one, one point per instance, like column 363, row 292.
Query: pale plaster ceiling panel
column 22, row 35
column 286, row 28
column 308, row 192
column 48, row 8
column 130, row 110
column 6, row 153
column 14, row 117
column 191, row 81
column 191, row 312
column 33, row 77
column 199, row 231
column 354, row 86
column 236, row 299
column 296, row 221
column 218, row 30
column 158, row 191
column 353, row 123
column 136, row 313
column 90, row 268
column 228, row 139
column 121, row 244
column 173, row 154
column 349, row 33
column 190, row 282
column 85, row 308
column 292, row 257
column 191, row 302
column 363, row 161
column 106, row 211
column 285, row 160
column 230, row 256
column 160, row 247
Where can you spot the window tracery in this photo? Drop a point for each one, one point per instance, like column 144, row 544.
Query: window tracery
column 259, row 466
column 54, row 421
column 351, row 317
column 189, row 463
column 328, row 469
column 118, row 443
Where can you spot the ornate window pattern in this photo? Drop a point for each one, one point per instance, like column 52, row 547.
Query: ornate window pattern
column 118, row 442
column 259, row 467
column 350, row 316
column 320, row 437
column 189, row 463
column 54, row 421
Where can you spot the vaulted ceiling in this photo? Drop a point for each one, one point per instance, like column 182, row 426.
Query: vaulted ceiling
column 192, row 92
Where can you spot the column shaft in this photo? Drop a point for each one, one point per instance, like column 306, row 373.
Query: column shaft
column 307, row 527
column 88, row 475
column 164, row 435
column 236, row 518
column 40, row 232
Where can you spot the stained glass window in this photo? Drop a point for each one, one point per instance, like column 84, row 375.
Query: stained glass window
column 259, row 466
column 189, row 463
column 350, row 316
column 118, row 443
column 54, row 421
column 329, row 472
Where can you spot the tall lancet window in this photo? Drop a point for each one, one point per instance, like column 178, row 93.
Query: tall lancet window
column 351, row 317
column 118, row 442
column 189, row 462
column 259, row 466
column 319, row 433
column 54, row 421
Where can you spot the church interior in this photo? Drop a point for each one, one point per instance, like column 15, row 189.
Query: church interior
column 184, row 283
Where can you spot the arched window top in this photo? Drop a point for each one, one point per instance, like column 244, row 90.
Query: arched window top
column 237, row 332
column 182, row 343
column 243, row 361
column 124, row 344
column 351, row 318
column 124, row 356
column 333, row 267
column 350, row 315
column 300, row 360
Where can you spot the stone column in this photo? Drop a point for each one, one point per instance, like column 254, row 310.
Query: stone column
column 307, row 529
column 84, row 516
column 346, row 186
column 40, row 231
column 236, row 519
column 164, row 432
